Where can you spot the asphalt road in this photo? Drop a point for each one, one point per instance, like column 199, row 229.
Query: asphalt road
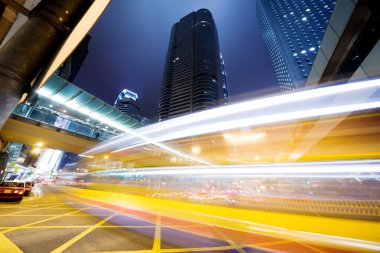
column 50, row 220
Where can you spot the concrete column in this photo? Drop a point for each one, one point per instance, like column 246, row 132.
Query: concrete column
column 24, row 55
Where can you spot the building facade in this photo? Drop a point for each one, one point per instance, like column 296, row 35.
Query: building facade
column 71, row 66
column 224, row 80
column 193, row 79
column 292, row 31
column 350, row 49
column 127, row 102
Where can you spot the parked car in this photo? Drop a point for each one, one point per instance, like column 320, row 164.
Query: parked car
column 28, row 187
column 12, row 190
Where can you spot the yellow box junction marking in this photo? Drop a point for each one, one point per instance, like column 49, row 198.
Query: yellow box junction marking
column 281, row 225
column 83, row 234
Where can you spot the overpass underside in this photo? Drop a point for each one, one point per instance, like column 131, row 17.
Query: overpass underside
column 30, row 132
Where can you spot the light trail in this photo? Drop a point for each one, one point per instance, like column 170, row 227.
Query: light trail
column 328, row 101
column 123, row 128
column 259, row 121
column 354, row 235
column 348, row 169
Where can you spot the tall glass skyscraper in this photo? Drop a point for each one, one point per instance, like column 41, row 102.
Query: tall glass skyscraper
column 292, row 31
column 193, row 78
column 71, row 66
column 127, row 103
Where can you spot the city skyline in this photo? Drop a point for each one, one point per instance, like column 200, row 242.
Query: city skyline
column 122, row 58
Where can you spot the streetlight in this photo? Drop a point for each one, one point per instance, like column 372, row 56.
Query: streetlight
column 36, row 151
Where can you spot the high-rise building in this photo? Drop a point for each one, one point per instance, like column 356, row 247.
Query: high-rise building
column 193, row 78
column 127, row 103
column 292, row 31
column 224, row 80
column 71, row 66
column 350, row 50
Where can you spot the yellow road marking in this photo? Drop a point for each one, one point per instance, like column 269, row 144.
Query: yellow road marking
column 271, row 243
column 222, row 236
column 7, row 246
column 63, row 208
column 38, row 215
column 36, row 209
column 232, row 243
column 157, row 235
column 131, row 251
column 283, row 225
column 108, row 226
column 83, row 234
column 312, row 248
column 40, row 221
column 22, row 205
column 35, row 196
column 218, row 248
column 79, row 226
column 46, row 204
column 180, row 249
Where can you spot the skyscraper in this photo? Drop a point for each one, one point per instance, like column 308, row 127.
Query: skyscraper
column 127, row 103
column 71, row 66
column 193, row 79
column 292, row 31
column 224, row 80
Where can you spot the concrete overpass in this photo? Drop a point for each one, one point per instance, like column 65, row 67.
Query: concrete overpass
column 65, row 117
column 29, row 132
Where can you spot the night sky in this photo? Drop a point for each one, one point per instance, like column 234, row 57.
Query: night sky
column 130, row 40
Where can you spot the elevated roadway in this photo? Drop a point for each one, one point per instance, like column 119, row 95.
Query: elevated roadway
column 28, row 133
column 65, row 117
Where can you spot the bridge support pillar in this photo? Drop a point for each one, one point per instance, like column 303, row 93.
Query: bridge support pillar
column 32, row 47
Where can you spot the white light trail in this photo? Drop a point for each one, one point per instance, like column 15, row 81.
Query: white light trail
column 262, row 120
column 341, row 169
column 120, row 127
column 282, row 108
column 87, row 156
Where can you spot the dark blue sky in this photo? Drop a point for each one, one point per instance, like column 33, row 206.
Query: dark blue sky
column 130, row 40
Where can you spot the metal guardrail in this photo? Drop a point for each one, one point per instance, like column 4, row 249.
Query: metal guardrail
column 75, row 126
column 368, row 209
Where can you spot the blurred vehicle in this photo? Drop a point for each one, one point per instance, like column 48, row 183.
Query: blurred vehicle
column 48, row 181
column 28, row 187
column 12, row 190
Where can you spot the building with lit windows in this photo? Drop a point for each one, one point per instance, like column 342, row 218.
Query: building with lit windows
column 127, row 102
column 292, row 31
column 193, row 77
column 224, row 80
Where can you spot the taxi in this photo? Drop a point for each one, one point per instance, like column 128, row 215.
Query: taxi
column 12, row 190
